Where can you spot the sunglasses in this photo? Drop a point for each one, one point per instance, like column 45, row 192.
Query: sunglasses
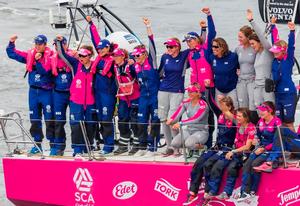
column 137, row 56
column 215, row 46
column 189, row 36
column 170, row 47
column 82, row 56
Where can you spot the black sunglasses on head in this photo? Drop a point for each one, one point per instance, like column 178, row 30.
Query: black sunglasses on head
column 169, row 47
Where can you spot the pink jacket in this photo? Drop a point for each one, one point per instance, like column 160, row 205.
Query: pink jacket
column 56, row 62
column 45, row 60
column 82, row 88
column 200, row 68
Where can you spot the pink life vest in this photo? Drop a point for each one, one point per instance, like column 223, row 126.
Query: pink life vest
column 139, row 68
column 81, row 89
column 128, row 86
column 108, row 62
column 57, row 62
column 45, row 60
column 200, row 69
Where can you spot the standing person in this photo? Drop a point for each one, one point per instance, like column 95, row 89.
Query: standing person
column 38, row 67
column 246, row 72
column 147, row 75
column 173, row 65
column 128, row 93
column 105, row 87
column 225, row 65
column 82, row 100
column 225, row 138
column 199, row 61
column 195, row 134
column 282, row 69
column 233, row 159
column 267, row 126
column 262, row 64
column 61, row 97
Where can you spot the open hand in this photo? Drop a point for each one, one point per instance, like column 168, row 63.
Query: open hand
column 249, row 14
column 146, row 21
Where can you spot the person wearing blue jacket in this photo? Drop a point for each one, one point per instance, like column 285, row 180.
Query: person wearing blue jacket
column 38, row 65
column 148, row 77
column 282, row 70
column 61, row 97
column 105, row 87
column 224, row 64
column 172, row 69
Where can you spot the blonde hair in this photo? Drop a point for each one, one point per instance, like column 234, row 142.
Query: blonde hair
column 88, row 47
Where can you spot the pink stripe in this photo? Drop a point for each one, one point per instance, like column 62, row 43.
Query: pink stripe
column 174, row 116
column 21, row 53
column 275, row 34
column 198, row 114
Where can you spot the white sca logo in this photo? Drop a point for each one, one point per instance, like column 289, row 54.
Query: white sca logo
column 37, row 78
column 83, row 180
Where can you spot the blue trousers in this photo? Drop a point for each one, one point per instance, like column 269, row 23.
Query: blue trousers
column 41, row 102
column 127, row 114
column 79, row 113
column 148, row 110
column 217, row 171
column 60, row 104
column 250, row 178
column 105, row 105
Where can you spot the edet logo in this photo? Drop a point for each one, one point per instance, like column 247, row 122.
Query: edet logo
column 124, row 190
column 164, row 187
column 289, row 196
column 83, row 181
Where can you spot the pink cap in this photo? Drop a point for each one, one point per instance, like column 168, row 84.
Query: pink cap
column 171, row 42
column 277, row 49
column 192, row 88
column 138, row 51
column 264, row 108
column 84, row 52
column 118, row 52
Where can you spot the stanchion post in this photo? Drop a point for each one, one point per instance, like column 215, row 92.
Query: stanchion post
column 183, row 144
column 281, row 146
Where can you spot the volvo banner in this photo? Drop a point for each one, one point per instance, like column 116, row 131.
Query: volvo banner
column 283, row 10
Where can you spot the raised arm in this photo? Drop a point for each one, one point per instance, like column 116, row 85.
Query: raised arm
column 274, row 31
column 72, row 62
column 211, row 27
column 210, row 99
column 291, row 41
column 152, row 48
column 94, row 33
column 203, row 26
column 266, row 44
column 13, row 53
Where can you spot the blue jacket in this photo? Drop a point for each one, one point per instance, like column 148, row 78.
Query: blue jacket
column 172, row 71
column 147, row 74
column 39, row 77
column 282, row 70
column 224, row 69
column 63, row 81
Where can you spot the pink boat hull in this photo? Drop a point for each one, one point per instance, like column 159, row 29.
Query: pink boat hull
column 113, row 183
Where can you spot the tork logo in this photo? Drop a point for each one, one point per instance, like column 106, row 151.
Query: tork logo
column 84, row 182
column 164, row 187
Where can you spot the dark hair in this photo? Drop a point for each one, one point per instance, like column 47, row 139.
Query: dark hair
column 254, row 37
column 88, row 47
column 245, row 112
column 271, row 105
column 246, row 30
column 223, row 44
column 112, row 47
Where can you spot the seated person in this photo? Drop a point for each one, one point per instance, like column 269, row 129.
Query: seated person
column 196, row 131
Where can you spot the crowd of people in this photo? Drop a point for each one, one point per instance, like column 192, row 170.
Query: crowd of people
column 249, row 90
